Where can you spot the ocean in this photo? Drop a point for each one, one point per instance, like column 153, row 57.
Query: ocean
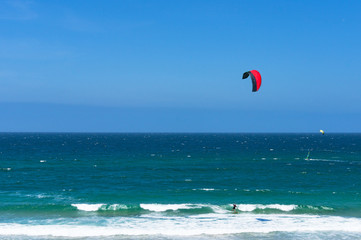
column 180, row 186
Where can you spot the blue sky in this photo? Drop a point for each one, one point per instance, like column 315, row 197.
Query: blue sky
column 176, row 66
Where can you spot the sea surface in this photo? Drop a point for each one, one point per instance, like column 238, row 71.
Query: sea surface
column 180, row 186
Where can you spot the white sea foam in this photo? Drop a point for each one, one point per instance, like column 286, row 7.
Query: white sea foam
column 41, row 196
column 285, row 208
column 247, row 207
column 203, row 189
column 166, row 207
column 325, row 160
column 175, row 207
column 252, row 207
column 88, row 207
column 99, row 206
column 321, row 207
column 263, row 190
column 213, row 224
column 113, row 207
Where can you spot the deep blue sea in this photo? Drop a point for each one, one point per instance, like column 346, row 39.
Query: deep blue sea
column 180, row 186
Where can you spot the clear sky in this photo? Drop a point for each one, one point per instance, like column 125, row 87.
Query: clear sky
column 176, row 66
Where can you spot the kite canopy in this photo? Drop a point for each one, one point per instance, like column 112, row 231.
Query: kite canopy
column 256, row 79
column 323, row 132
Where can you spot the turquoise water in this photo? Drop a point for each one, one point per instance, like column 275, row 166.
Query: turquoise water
column 176, row 186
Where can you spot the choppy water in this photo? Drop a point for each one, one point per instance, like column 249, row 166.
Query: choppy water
column 172, row 186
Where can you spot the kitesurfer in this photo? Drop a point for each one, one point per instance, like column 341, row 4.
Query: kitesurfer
column 234, row 207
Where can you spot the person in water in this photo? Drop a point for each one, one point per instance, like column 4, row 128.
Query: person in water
column 234, row 208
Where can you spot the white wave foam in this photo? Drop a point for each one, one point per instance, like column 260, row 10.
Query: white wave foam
column 113, row 207
column 203, row 189
column 325, row 160
column 252, row 207
column 175, row 207
column 99, row 206
column 285, row 208
column 263, row 190
column 165, row 207
column 88, row 207
column 214, row 224
column 321, row 207
column 42, row 195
